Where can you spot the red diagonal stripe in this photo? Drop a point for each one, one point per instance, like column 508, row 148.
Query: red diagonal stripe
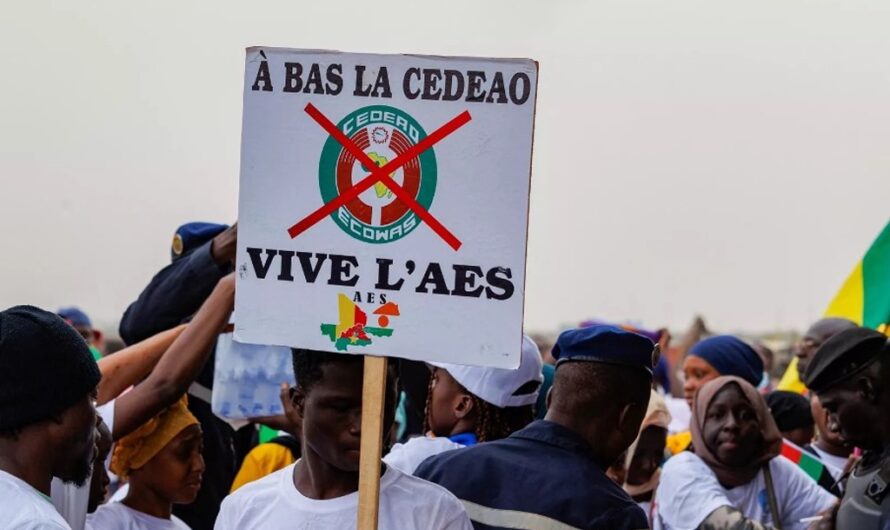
column 381, row 174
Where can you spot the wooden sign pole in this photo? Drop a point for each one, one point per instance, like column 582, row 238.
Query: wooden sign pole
column 373, row 398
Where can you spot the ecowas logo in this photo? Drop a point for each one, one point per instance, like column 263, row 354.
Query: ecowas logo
column 383, row 133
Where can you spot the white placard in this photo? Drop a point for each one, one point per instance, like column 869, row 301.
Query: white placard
column 429, row 265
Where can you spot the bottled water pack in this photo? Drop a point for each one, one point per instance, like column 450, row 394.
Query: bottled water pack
column 247, row 378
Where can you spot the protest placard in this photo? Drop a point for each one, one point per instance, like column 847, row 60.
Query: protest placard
column 384, row 204
column 383, row 211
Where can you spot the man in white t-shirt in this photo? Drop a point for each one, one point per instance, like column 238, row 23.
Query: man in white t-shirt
column 48, row 381
column 319, row 491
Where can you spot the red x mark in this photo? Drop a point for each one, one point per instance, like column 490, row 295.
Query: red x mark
column 381, row 174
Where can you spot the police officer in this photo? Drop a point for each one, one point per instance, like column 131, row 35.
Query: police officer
column 551, row 474
column 201, row 254
column 850, row 374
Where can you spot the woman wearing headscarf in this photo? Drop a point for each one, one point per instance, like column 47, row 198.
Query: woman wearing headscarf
column 645, row 455
column 708, row 360
column 733, row 477
column 163, row 463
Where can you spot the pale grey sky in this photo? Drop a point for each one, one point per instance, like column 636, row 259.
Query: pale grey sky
column 727, row 158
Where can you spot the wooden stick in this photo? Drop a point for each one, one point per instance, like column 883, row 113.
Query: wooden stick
column 373, row 390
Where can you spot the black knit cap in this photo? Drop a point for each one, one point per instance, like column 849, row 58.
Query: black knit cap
column 790, row 410
column 844, row 355
column 45, row 366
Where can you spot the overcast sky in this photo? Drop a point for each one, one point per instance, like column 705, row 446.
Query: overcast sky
column 724, row 158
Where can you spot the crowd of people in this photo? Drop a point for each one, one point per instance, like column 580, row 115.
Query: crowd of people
column 610, row 427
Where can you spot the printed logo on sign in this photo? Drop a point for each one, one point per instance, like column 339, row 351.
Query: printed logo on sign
column 352, row 328
column 383, row 133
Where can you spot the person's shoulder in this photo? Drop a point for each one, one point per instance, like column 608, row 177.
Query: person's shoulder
column 106, row 514
column 412, row 494
column 684, row 469
column 409, row 455
column 627, row 517
column 794, row 481
column 424, row 490
column 265, row 487
column 40, row 523
column 27, row 509
column 179, row 523
column 684, row 460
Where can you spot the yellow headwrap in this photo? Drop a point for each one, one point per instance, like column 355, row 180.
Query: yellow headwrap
column 135, row 449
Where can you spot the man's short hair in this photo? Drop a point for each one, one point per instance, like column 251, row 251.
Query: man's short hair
column 308, row 365
column 600, row 387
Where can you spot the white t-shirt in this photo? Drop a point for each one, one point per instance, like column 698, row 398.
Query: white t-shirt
column 689, row 491
column 408, row 456
column 118, row 516
column 70, row 500
column 680, row 414
column 24, row 508
column 406, row 503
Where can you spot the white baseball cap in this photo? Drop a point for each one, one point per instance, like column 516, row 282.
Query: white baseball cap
column 500, row 386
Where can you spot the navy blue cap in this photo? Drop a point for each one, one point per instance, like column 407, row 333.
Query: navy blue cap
column 605, row 344
column 730, row 355
column 74, row 316
column 191, row 236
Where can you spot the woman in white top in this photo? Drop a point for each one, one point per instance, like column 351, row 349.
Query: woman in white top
column 733, row 477
column 163, row 462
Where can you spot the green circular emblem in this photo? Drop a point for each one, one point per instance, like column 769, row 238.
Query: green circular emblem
column 383, row 133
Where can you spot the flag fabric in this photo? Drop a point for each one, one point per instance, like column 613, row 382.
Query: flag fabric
column 864, row 298
column 809, row 463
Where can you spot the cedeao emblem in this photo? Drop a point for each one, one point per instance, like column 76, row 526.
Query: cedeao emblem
column 383, row 133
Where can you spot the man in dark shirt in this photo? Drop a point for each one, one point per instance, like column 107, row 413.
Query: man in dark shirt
column 552, row 473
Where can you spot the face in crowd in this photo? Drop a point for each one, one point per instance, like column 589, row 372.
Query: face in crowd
column 99, row 481
column 828, row 436
column 330, row 409
column 696, row 372
column 731, row 428
column 75, row 430
column 855, row 408
column 648, row 455
column 814, row 337
column 177, row 470
column 449, row 403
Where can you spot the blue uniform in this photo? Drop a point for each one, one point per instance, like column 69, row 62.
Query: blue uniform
column 172, row 296
column 542, row 477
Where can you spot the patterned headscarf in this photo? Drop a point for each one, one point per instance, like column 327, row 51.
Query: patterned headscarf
column 135, row 449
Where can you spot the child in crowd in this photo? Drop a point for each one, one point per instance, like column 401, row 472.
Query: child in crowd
column 163, row 462
column 472, row 404
column 320, row 491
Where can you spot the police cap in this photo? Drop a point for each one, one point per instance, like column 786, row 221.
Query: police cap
column 844, row 355
column 605, row 344
column 191, row 236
